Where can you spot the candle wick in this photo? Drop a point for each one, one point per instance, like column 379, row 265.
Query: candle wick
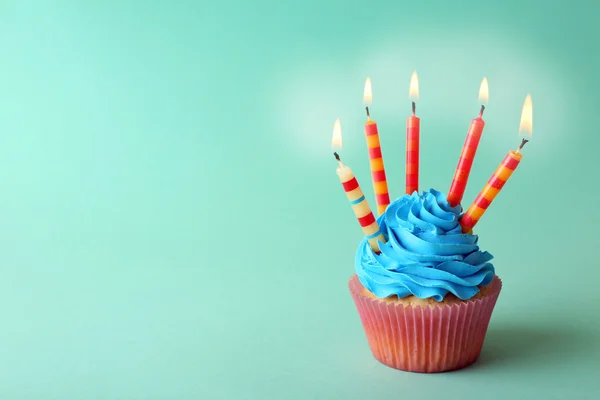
column 523, row 143
column 414, row 108
column 337, row 157
column 368, row 113
column 481, row 111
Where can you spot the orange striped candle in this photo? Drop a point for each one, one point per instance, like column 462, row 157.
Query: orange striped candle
column 500, row 176
column 356, row 197
column 380, row 186
column 491, row 190
column 463, row 169
column 413, row 131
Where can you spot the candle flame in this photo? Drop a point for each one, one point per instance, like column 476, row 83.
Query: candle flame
column 526, row 126
column 368, row 94
column 336, row 139
column 413, row 91
column 484, row 91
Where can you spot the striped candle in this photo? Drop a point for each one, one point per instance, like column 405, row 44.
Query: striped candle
column 359, row 204
column 501, row 175
column 465, row 161
column 380, row 186
column 413, row 129
column 491, row 189
column 463, row 169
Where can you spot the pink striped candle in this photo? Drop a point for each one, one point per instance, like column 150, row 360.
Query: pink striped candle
column 413, row 131
column 465, row 161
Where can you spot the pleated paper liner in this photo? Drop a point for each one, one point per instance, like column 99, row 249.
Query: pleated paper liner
column 438, row 338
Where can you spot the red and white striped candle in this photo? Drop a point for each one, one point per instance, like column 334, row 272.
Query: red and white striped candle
column 413, row 131
column 500, row 176
column 380, row 186
column 465, row 162
column 356, row 197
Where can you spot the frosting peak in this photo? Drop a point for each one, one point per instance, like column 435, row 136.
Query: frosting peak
column 426, row 253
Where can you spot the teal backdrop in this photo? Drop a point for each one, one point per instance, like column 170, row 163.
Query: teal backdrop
column 172, row 226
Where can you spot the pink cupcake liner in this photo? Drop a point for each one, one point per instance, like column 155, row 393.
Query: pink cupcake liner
column 441, row 338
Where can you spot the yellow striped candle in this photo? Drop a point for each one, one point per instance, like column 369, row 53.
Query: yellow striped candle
column 356, row 197
column 380, row 186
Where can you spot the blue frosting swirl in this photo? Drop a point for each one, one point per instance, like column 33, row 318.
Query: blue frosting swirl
column 426, row 253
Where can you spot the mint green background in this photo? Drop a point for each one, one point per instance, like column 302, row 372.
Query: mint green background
column 172, row 226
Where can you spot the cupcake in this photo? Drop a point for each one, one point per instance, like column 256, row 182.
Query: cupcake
column 426, row 298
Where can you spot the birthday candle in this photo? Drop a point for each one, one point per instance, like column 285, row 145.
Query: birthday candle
column 491, row 189
column 463, row 169
column 500, row 176
column 413, row 130
column 380, row 186
column 356, row 197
